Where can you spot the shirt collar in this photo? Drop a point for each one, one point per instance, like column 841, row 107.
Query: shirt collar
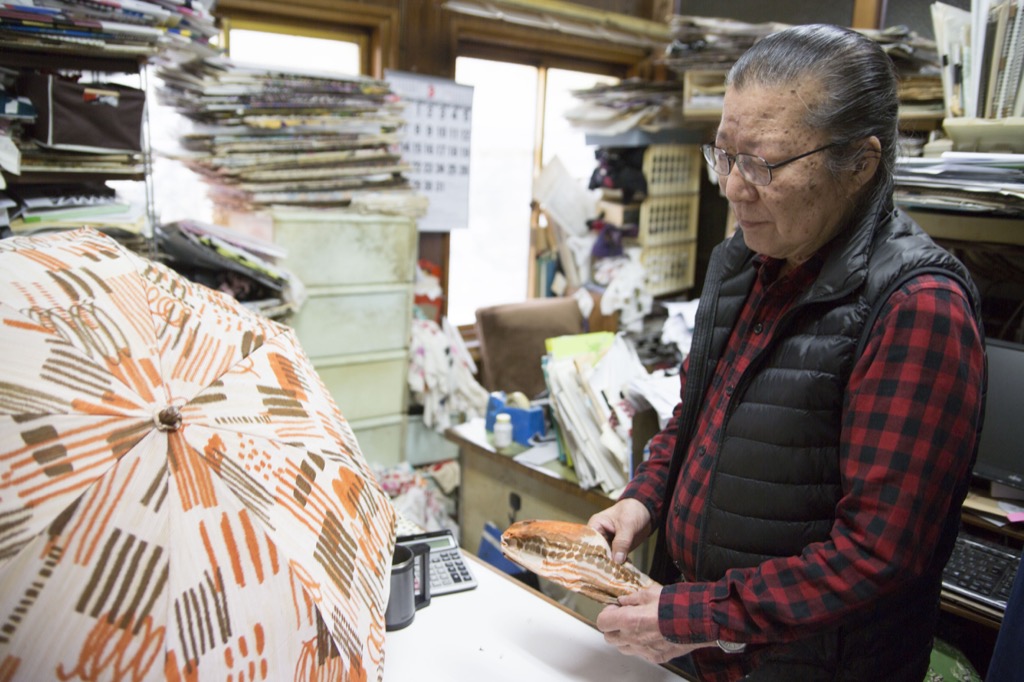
column 799, row 278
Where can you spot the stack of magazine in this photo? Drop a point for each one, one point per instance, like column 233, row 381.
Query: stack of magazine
column 268, row 137
column 124, row 29
column 588, row 376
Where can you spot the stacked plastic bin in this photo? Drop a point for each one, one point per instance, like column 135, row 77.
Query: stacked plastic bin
column 358, row 272
column 668, row 216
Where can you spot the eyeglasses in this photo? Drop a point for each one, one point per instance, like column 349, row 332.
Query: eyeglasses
column 754, row 169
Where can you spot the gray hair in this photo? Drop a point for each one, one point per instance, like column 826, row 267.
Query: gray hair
column 859, row 95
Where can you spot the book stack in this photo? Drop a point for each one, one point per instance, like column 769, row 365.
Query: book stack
column 122, row 29
column 266, row 137
column 60, row 206
column 982, row 53
column 587, row 375
column 632, row 104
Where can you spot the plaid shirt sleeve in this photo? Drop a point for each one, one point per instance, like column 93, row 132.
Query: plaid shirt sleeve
column 908, row 436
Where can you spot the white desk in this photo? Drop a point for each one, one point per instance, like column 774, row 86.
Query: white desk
column 503, row 630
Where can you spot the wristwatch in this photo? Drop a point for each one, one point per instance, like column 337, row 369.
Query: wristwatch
column 731, row 647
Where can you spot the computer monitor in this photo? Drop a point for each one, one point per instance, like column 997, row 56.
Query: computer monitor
column 1001, row 450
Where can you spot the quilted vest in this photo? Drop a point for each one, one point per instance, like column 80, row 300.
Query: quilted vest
column 776, row 482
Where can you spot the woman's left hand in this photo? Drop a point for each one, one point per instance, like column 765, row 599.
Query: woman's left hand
column 632, row 627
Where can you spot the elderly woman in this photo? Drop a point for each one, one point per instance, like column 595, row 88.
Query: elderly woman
column 807, row 491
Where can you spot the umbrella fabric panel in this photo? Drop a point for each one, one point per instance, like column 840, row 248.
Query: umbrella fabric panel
column 180, row 494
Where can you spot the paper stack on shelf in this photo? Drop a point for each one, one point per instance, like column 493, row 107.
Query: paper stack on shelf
column 711, row 43
column 587, row 376
column 918, row 68
column 266, row 137
column 963, row 182
column 704, row 48
column 232, row 262
column 37, row 208
column 632, row 104
column 130, row 29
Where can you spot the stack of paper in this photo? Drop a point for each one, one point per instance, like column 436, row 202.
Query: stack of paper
column 632, row 104
column 267, row 137
column 587, row 377
column 47, row 207
column 232, row 262
column 963, row 182
column 709, row 44
column 126, row 28
column 712, row 43
column 918, row 67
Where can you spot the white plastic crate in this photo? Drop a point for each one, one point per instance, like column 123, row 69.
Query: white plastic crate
column 670, row 267
column 336, row 321
column 668, row 220
column 329, row 248
column 367, row 386
column 382, row 440
column 672, row 169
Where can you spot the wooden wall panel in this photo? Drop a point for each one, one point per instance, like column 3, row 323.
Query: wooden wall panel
column 425, row 46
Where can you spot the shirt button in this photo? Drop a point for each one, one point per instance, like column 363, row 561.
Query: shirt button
column 729, row 389
column 701, row 451
column 758, row 328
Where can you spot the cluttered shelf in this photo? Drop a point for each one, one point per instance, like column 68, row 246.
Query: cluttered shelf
column 496, row 487
column 473, row 436
column 971, row 227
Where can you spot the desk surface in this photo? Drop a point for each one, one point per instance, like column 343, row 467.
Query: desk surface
column 503, row 630
column 472, row 437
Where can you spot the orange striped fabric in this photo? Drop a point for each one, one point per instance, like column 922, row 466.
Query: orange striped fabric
column 180, row 497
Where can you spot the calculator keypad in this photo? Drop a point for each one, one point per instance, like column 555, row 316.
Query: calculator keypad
column 447, row 565
column 447, row 571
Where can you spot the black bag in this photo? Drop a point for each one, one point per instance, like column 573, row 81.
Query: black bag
column 87, row 117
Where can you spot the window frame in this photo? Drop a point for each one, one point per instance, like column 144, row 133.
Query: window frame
column 299, row 28
column 374, row 28
column 493, row 40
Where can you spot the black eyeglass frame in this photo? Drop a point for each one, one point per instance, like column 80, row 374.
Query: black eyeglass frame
column 709, row 155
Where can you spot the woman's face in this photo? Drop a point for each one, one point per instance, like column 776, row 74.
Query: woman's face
column 804, row 206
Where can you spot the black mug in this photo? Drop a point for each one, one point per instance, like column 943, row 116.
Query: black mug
column 405, row 599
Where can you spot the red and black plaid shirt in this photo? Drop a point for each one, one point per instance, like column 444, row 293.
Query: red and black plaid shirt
column 907, row 437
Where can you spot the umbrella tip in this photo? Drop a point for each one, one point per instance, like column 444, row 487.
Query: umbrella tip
column 168, row 419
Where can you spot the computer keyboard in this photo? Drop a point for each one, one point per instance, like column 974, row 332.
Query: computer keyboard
column 981, row 571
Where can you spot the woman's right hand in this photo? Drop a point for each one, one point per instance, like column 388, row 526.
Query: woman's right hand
column 625, row 525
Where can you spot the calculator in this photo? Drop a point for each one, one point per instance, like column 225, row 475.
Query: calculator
column 448, row 570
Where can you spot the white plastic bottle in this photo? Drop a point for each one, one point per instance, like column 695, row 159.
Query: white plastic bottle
column 502, row 431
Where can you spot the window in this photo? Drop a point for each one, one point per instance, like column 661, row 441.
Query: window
column 178, row 192
column 489, row 262
column 268, row 48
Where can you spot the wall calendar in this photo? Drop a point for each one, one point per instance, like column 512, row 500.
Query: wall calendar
column 438, row 116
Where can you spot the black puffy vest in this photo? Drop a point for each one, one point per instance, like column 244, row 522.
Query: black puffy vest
column 776, row 482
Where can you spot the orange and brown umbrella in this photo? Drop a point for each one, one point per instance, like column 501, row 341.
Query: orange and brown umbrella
column 180, row 498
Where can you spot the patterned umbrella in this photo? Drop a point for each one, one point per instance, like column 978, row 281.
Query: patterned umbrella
column 180, row 498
